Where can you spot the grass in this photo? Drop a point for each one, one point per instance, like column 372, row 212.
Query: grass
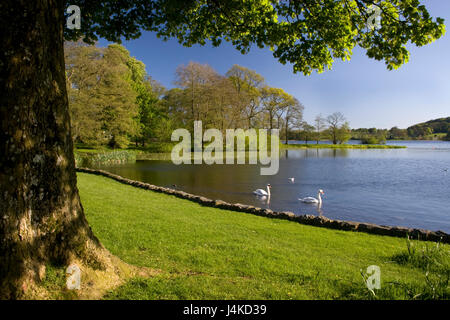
column 89, row 157
column 208, row 253
column 434, row 260
column 340, row 146
column 55, row 283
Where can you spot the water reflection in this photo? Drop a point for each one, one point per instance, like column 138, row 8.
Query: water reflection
column 264, row 200
column 319, row 209
column 315, row 153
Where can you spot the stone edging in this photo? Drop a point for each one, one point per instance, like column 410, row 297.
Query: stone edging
column 318, row 221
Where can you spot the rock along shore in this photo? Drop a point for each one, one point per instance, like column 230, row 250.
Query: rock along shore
column 318, row 221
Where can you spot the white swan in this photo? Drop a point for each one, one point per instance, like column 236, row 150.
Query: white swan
column 263, row 193
column 313, row 200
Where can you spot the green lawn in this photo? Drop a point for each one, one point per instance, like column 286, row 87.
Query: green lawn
column 208, row 253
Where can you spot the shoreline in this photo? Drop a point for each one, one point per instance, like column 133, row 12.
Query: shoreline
column 120, row 156
column 318, row 221
column 339, row 146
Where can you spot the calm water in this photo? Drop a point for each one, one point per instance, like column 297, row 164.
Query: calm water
column 405, row 187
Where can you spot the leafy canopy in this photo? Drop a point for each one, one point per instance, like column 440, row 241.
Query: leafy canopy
column 309, row 34
column 102, row 93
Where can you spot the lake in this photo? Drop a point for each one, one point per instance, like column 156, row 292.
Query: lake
column 398, row 187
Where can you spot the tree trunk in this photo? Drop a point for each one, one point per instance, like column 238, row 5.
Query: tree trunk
column 334, row 135
column 41, row 217
column 286, row 130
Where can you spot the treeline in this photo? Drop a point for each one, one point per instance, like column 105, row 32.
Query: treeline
column 333, row 127
column 378, row 136
column 114, row 102
column 433, row 127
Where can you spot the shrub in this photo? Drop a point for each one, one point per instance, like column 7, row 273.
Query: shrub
column 373, row 140
column 83, row 159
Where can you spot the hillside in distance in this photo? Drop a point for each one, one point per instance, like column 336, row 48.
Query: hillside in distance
column 439, row 126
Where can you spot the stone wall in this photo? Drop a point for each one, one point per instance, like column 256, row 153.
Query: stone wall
column 317, row 221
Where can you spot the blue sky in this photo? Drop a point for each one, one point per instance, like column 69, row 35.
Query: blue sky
column 362, row 89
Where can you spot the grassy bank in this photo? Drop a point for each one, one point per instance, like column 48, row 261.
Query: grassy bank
column 92, row 157
column 340, row 146
column 86, row 156
column 208, row 253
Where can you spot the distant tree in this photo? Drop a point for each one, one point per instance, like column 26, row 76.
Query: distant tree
column 195, row 79
column 274, row 101
column 247, row 84
column 225, row 106
column 319, row 125
column 174, row 104
column 372, row 130
column 150, row 113
column 293, row 117
column 396, row 133
column 344, row 133
column 378, row 138
column 307, row 132
column 336, row 122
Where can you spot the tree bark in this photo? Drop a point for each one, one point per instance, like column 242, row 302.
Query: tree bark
column 41, row 217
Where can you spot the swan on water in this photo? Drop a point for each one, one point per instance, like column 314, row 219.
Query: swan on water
column 291, row 180
column 263, row 193
column 313, row 200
